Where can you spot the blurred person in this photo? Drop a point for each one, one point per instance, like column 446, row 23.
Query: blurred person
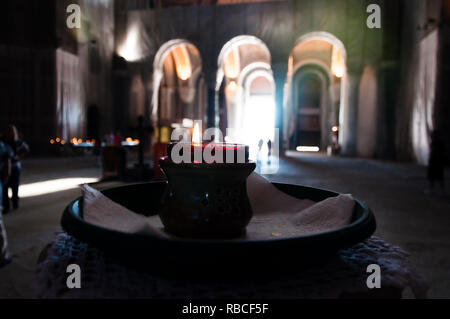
column 260, row 144
column 436, row 162
column 258, row 156
column 5, row 167
column 17, row 147
column 269, row 152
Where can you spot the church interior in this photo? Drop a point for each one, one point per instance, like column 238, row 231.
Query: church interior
column 349, row 96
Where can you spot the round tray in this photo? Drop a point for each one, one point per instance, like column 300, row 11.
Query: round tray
column 178, row 255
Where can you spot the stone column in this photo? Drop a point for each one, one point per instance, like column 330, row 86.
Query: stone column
column 349, row 116
column 212, row 109
column 279, row 75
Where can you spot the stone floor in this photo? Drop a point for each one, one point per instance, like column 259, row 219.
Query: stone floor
column 405, row 215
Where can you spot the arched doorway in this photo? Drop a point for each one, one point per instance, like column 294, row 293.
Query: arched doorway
column 308, row 100
column 245, row 89
column 316, row 93
column 179, row 89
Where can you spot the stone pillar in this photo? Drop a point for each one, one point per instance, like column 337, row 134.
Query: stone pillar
column 388, row 83
column 349, row 116
column 279, row 75
column 212, row 109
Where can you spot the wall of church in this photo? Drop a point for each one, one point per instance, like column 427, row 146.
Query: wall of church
column 27, row 69
column 278, row 24
column 415, row 116
column 93, row 47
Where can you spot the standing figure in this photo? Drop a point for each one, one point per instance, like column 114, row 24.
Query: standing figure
column 269, row 152
column 258, row 156
column 4, row 175
column 17, row 148
column 260, row 144
column 436, row 161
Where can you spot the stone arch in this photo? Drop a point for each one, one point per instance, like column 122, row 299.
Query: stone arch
column 324, row 77
column 326, row 69
column 158, row 69
column 237, row 41
column 233, row 43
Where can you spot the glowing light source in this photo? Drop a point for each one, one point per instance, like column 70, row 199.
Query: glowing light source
column 182, row 62
column 232, row 66
column 290, row 65
column 52, row 141
column 129, row 141
column 308, row 148
column 231, row 88
column 259, row 119
column 53, row 186
column 337, row 63
column 196, row 134
column 335, row 128
column 188, row 123
column 130, row 50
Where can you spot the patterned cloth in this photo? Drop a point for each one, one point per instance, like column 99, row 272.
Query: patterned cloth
column 345, row 275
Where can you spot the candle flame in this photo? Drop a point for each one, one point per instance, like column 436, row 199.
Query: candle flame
column 196, row 134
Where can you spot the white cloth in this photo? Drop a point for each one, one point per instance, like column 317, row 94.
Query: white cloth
column 275, row 214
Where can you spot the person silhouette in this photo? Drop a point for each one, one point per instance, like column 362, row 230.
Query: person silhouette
column 258, row 156
column 17, row 148
column 269, row 150
column 5, row 168
column 260, row 144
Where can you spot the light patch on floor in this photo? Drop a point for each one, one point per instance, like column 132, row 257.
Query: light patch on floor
column 52, row 186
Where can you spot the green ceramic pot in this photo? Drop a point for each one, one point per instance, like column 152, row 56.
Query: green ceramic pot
column 206, row 200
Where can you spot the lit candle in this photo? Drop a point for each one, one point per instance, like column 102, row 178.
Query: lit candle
column 209, row 153
column 202, row 180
